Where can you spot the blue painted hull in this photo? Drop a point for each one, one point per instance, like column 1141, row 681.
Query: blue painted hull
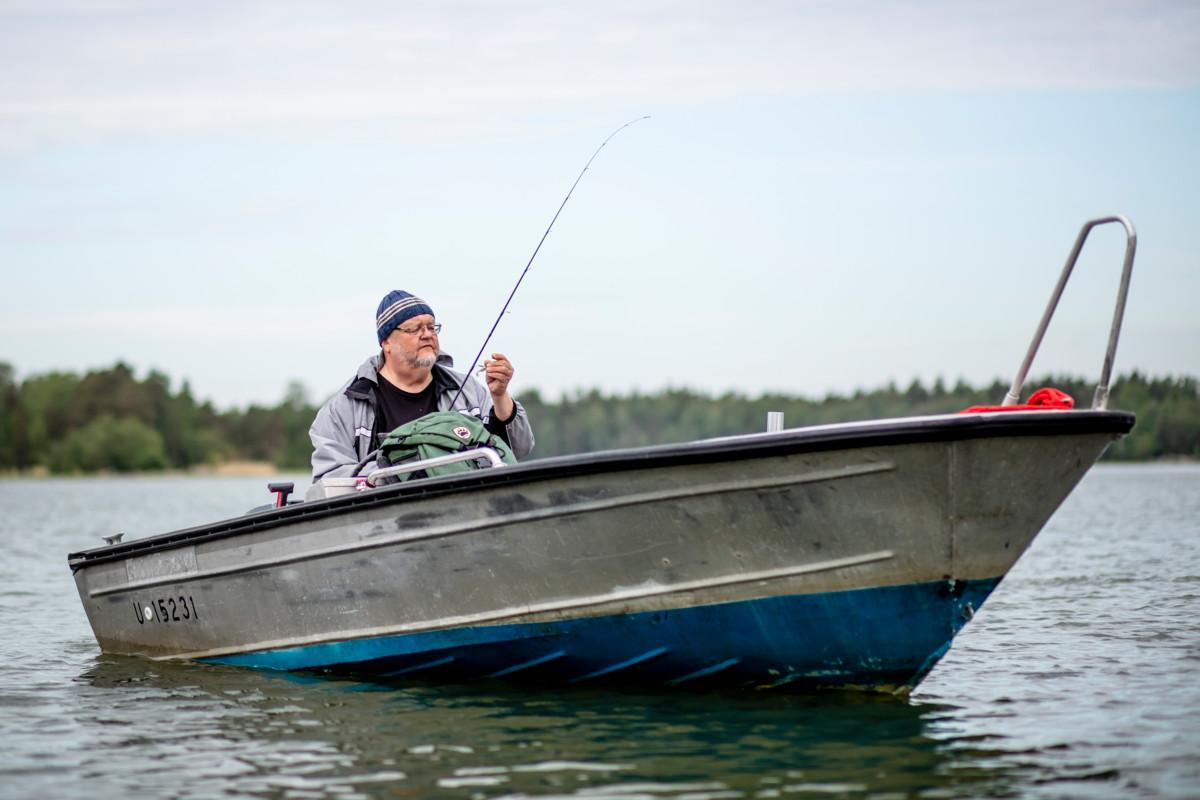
column 884, row 638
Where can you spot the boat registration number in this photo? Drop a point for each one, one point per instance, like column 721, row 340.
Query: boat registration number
column 166, row 609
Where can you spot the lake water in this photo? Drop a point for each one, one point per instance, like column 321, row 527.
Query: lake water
column 1079, row 678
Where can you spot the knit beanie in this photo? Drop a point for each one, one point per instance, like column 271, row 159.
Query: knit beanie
column 395, row 309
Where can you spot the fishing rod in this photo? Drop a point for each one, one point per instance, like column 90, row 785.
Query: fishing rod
column 554, row 219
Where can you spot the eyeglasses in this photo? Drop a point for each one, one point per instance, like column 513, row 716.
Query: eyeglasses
column 434, row 328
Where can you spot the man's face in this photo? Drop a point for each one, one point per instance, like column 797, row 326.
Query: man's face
column 414, row 343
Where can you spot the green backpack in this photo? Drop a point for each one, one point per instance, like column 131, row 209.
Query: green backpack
column 438, row 434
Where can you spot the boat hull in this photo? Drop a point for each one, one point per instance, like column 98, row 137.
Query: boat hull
column 844, row 555
column 884, row 639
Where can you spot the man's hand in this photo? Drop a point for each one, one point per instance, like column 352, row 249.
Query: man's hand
column 499, row 372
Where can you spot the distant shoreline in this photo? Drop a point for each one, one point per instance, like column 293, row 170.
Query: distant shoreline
column 112, row 420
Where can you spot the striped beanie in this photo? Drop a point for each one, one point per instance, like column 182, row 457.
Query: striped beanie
column 394, row 309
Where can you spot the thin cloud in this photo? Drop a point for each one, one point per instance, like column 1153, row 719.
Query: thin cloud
column 80, row 70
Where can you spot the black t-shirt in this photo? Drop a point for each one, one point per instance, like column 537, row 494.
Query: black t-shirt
column 397, row 406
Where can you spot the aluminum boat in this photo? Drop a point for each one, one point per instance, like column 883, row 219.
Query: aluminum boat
column 845, row 555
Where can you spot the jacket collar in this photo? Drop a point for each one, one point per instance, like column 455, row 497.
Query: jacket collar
column 366, row 380
column 443, row 378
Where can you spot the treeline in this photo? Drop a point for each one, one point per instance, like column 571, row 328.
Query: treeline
column 1168, row 411
column 111, row 420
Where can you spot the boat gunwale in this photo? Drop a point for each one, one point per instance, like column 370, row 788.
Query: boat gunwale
column 818, row 438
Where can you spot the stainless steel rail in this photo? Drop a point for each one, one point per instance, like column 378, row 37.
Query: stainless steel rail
column 482, row 453
column 1100, row 398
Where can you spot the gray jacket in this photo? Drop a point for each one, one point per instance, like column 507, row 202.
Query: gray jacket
column 344, row 435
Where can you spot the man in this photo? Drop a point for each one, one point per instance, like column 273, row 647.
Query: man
column 409, row 378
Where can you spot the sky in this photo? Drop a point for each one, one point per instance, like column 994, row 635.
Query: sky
column 827, row 195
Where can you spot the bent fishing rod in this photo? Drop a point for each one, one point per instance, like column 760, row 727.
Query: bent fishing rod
column 554, row 219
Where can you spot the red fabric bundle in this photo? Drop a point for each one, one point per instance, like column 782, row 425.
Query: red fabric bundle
column 1043, row 399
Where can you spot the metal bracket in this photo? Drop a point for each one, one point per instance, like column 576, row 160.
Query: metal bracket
column 1100, row 398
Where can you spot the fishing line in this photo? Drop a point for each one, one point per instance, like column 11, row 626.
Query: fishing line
column 554, row 219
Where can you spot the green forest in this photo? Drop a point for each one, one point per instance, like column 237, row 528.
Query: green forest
column 112, row 421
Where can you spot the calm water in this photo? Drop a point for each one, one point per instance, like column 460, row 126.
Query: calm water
column 1079, row 678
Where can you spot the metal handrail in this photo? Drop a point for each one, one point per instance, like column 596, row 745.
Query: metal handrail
column 480, row 453
column 1100, row 398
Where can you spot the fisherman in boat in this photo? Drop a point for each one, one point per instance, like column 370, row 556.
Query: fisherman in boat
column 409, row 378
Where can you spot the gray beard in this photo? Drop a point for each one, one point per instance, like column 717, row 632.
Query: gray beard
column 421, row 362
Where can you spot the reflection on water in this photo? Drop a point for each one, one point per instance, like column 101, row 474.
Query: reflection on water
column 276, row 734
